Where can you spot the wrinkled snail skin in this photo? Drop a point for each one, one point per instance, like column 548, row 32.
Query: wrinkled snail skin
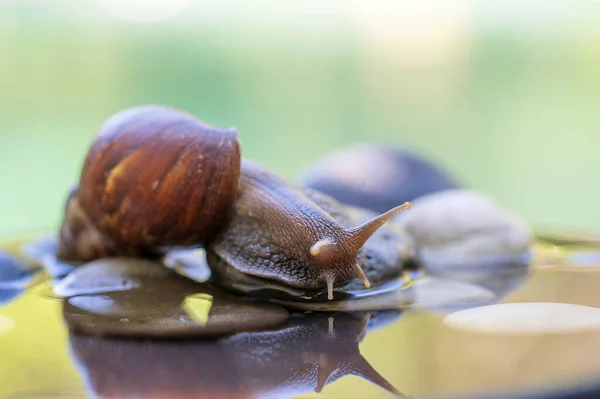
column 381, row 258
column 153, row 177
column 276, row 232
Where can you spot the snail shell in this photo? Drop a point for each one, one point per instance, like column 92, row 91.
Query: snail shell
column 157, row 176
column 80, row 239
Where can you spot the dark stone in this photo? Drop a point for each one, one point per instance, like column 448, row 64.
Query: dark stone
column 376, row 177
column 136, row 298
column 15, row 276
column 43, row 250
column 15, row 272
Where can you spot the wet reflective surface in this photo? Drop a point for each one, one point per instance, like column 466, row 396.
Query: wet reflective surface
column 497, row 329
column 132, row 297
column 303, row 355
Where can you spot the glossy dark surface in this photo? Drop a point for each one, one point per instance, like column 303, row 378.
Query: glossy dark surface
column 130, row 297
column 433, row 348
column 302, row 355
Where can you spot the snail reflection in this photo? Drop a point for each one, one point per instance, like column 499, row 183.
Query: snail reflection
column 304, row 354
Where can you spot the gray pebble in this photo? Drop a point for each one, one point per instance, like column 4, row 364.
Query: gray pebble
column 464, row 230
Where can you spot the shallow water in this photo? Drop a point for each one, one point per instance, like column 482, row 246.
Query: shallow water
column 424, row 351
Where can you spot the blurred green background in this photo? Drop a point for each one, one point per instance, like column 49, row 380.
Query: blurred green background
column 504, row 94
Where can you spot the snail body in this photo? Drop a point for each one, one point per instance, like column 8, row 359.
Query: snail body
column 277, row 232
column 381, row 258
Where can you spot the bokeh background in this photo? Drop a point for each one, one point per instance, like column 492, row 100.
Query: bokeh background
column 504, row 94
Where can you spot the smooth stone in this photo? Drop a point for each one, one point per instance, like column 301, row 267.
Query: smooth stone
column 440, row 294
column 501, row 282
column 43, row 250
column 376, row 176
column 108, row 275
column 14, row 272
column 39, row 247
column 139, row 298
column 190, row 263
column 7, row 295
column 302, row 355
column 461, row 230
column 527, row 318
column 57, row 268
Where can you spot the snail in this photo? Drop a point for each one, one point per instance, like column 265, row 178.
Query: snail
column 157, row 178
column 376, row 176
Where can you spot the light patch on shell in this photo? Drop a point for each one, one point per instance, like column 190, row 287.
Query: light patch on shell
column 114, row 174
column 197, row 307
